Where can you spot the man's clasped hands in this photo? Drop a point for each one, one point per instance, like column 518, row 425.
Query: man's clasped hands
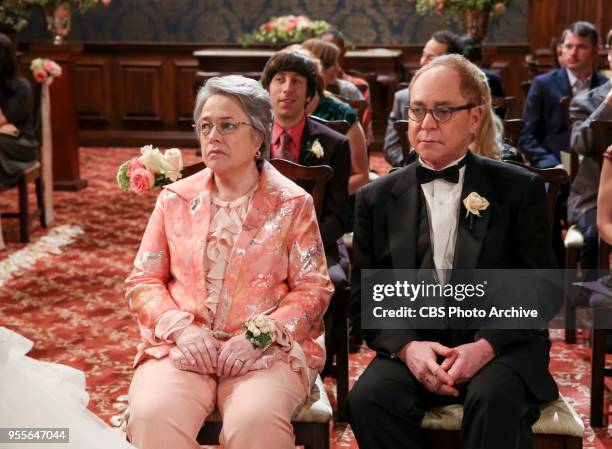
column 459, row 365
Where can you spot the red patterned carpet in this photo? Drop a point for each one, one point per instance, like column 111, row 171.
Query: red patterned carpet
column 70, row 300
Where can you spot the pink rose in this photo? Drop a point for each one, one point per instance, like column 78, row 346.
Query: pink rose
column 106, row 2
column 499, row 8
column 40, row 75
column 141, row 180
column 52, row 67
column 133, row 165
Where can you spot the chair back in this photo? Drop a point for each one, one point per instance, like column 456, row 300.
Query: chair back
column 505, row 104
column 601, row 136
column 554, row 178
column 193, row 169
column 512, row 131
column 341, row 126
column 318, row 175
column 358, row 105
column 401, row 128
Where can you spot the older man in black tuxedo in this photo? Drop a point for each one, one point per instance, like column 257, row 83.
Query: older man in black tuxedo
column 414, row 218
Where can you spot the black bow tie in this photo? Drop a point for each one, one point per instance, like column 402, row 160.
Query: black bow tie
column 450, row 174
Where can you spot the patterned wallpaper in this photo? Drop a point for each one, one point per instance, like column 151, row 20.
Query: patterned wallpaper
column 222, row 21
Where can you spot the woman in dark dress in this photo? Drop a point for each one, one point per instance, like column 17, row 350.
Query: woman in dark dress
column 18, row 146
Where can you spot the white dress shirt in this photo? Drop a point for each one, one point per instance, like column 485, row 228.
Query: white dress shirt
column 578, row 86
column 443, row 200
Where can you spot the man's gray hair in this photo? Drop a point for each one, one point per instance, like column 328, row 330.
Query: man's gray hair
column 253, row 98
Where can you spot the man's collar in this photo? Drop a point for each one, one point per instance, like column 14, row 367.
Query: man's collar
column 455, row 162
column 573, row 78
column 295, row 131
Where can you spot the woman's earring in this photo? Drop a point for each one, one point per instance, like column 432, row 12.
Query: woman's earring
column 257, row 154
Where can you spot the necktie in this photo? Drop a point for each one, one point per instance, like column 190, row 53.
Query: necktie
column 450, row 174
column 285, row 147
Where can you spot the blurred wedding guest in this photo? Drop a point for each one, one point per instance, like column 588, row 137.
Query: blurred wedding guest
column 233, row 247
column 604, row 200
column 545, row 133
column 18, row 146
column 326, row 106
column 596, row 104
column 472, row 51
column 440, row 43
column 340, row 85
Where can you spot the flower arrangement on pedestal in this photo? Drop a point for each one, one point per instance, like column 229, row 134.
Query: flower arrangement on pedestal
column 285, row 30
column 472, row 14
column 14, row 13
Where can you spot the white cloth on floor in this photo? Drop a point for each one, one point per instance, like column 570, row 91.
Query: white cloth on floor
column 48, row 395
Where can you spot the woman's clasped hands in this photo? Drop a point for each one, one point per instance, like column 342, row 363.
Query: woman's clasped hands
column 197, row 350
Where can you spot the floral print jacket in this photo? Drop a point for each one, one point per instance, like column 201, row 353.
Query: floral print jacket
column 277, row 266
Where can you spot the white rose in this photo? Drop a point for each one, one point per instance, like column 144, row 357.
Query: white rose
column 475, row 203
column 172, row 164
column 256, row 333
column 317, row 149
column 151, row 158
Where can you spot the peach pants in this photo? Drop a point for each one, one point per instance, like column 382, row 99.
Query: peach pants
column 168, row 406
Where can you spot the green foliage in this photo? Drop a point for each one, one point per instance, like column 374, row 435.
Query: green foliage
column 452, row 9
column 122, row 177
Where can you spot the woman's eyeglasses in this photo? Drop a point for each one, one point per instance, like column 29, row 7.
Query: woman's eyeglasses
column 440, row 114
column 225, row 127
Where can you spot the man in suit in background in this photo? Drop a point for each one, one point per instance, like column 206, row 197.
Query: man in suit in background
column 545, row 133
column 595, row 104
column 441, row 43
column 413, row 218
column 291, row 80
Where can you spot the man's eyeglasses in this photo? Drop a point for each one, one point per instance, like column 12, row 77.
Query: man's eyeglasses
column 225, row 127
column 440, row 114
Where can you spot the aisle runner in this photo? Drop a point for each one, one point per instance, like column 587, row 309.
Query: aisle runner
column 48, row 245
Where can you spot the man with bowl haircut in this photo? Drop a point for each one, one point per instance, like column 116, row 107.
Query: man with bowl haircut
column 415, row 218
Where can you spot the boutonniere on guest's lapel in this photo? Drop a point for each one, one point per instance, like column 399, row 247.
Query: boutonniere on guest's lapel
column 315, row 148
column 474, row 204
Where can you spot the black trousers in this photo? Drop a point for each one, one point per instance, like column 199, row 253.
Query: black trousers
column 387, row 404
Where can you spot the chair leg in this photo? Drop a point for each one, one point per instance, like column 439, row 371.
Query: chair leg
column 598, row 360
column 342, row 370
column 40, row 201
column 24, row 212
column 571, row 262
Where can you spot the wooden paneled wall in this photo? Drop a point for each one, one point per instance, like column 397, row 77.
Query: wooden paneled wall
column 136, row 94
column 548, row 18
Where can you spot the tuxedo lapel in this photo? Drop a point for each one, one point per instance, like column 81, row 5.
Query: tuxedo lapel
column 402, row 218
column 472, row 229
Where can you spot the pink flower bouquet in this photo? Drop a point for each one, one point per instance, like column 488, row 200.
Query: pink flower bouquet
column 285, row 30
column 152, row 169
column 44, row 70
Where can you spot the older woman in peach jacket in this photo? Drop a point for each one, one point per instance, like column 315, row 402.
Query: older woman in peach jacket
column 234, row 241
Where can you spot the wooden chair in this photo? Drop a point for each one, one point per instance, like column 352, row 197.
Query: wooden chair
column 341, row 126
column 512, row 131
column 505, row 104
column 554, row 178
column 602, row 319
column 359, row 106
column 29, row 175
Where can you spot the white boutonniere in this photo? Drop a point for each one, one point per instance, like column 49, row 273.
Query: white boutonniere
column 474, row 204
column 316, row 148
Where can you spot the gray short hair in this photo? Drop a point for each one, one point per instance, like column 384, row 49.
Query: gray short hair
column 253, row 98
